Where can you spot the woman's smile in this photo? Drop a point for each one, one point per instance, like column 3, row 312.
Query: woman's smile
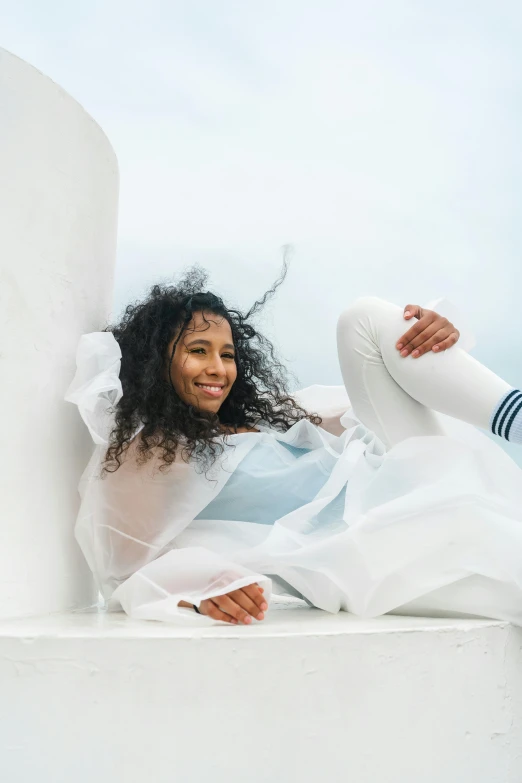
column 210, row 389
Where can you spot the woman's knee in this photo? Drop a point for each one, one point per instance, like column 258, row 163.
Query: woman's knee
column 361, row 309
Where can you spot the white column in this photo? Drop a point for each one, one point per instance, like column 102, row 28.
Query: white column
column 58, row 219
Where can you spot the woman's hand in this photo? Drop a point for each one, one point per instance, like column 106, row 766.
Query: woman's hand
column 432, row 332
column 239, row 606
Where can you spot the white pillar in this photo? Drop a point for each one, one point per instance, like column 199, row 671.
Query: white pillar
column 58, row 216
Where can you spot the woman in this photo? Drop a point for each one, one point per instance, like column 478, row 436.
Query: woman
column 211, row 486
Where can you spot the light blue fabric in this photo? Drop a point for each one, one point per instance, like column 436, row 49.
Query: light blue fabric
column 273, row 479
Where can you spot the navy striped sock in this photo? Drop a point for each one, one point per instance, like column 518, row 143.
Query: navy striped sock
column 506, row 420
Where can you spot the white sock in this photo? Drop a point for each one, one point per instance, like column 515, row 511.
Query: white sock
column 506, row 419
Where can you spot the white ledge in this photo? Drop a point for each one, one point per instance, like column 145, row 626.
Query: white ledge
column 301, row 696
column 284, row 618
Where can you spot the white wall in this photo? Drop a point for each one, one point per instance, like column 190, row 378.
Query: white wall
column 302, row 697
column 58, row 217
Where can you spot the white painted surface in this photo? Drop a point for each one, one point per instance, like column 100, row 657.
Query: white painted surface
column 58, row 216
column 303, row 696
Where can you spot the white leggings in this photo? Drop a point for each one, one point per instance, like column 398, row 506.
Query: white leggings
column 396, row 397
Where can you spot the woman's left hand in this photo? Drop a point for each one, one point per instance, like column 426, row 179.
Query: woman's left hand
column 431, row 332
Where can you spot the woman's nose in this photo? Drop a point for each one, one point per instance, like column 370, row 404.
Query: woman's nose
column 216, row 366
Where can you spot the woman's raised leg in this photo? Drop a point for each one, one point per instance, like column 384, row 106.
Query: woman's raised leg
column 396, row 397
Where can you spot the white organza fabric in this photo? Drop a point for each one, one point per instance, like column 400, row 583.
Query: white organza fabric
column 433, row 526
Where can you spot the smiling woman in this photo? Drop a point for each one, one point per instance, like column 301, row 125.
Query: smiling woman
column 203, row 371
column 175, row 345
column 212, row 486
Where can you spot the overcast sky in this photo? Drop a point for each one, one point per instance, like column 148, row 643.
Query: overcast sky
column 381, row 139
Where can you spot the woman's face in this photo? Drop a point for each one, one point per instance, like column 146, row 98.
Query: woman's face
column 203, row 369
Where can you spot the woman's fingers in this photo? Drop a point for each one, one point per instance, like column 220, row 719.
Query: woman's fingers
column 211, row 609
column 440, row 341
column 254, row 607
column 449, row 342
column 231, row 607
column 254, row 593
column 420, row 332
column 429, row 344
column 412, row 311
column 239, row 606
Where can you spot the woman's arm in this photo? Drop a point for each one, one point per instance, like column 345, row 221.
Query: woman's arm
column 167, row 587
column 127, row 528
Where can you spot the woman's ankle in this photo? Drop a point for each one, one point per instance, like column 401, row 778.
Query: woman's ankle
column 506, row 419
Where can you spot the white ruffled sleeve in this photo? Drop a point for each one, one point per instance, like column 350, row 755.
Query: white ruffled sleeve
column 96, row 386
column 190, row 574
column 128, row 526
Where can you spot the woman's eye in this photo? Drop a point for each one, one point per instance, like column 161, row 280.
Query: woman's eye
column 225, row 355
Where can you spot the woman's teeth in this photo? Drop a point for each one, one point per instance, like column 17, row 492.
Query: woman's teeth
column 215, row 391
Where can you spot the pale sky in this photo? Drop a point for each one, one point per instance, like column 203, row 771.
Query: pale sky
column 381, row 139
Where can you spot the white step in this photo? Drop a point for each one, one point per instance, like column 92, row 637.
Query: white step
column 302, row 696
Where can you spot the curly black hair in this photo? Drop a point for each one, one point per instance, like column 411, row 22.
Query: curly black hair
column 172, row 427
